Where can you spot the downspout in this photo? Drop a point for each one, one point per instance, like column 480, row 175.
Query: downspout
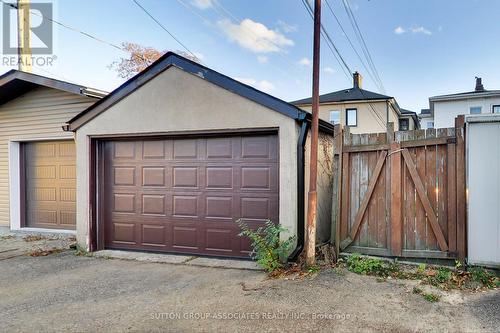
column 304, row 127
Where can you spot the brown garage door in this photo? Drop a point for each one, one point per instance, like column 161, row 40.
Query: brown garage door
column 50, row 184
column 183, row 195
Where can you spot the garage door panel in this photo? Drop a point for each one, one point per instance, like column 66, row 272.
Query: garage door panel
column 50, row 184
column 184, row 195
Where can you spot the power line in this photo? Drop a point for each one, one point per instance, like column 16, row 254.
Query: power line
column 377, row 83
column 329, row 42
column 209, row 23
column 309, row 10
column 361, row 39
column 163, row 27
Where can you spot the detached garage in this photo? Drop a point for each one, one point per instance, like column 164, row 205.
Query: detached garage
column 37, row 158
column 169, row 160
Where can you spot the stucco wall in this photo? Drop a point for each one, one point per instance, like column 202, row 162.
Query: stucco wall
column 324, row 184
column 445, row 112
column 368, row 121
column 178, row 101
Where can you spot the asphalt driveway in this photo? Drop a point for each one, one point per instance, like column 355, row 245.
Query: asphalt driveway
column 64, row 292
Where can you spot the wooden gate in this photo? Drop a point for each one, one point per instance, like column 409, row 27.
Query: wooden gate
column 401, row 194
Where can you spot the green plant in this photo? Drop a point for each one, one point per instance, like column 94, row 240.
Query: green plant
column 267, row 248
column 81, row 251
column 479, row 274
column 364, row 265
column 443, row 275
column 458, row 264
column 431, row 297
column 421, row 268
column 313, row 269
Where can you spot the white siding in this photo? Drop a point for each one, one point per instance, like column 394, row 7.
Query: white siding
column 483, row 193
column 445, row 112
column 39, row 113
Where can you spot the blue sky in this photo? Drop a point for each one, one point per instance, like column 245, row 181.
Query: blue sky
column 420, row 48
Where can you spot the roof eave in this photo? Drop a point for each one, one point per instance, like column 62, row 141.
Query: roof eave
column 172, row 59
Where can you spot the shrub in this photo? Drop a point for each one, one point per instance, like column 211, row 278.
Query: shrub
column 267, row 248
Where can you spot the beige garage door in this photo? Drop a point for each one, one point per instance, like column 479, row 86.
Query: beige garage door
column 184, row 195
column 50, row 184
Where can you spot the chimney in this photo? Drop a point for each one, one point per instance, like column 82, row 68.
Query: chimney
column 358, row 80
column 479, row 84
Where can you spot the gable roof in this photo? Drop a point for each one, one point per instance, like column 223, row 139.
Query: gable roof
column 170, row 59
column 15, row 83
column 345, row 95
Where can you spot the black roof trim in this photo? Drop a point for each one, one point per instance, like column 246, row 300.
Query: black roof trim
column 172, row 59
column 15, row 83
column 345, row 95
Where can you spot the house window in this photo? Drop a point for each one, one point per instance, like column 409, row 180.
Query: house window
column 351, row 117
column 430, row 124
column 475, row 110
column 495, row 109
column 335, row 117
column 404, row 124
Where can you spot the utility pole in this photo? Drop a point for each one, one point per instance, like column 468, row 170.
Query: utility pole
column 312, row 206
column 24, row 38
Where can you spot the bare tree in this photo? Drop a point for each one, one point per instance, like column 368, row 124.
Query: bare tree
column 139, row 58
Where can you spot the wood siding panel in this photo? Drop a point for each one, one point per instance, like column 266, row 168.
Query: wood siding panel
column 40, row 113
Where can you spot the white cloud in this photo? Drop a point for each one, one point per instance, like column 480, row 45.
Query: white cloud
column 305, row 62
column 262, row 59
column 199, row 56
column 263, row 85
column 421, row 30
column 254, row 36
column 285, row 27
column 399, row 30
column 329, row 70
column 203, row 4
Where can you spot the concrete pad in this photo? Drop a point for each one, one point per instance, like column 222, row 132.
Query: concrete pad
column 141, row 256
column 224, row 263
column 177, row 259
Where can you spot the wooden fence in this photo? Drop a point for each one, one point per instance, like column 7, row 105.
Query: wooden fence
column 401, row 194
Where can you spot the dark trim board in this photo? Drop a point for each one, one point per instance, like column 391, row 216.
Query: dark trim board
column 14, row 83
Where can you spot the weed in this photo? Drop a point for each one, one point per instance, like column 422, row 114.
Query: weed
column 267, row 248
column 481, row 275
column 313, row 269
column 431, row 297
column 421, row 268
column 81, row 251
column 443, row 275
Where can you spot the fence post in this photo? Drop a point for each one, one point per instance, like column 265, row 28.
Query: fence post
column 461, row 188
column 337, row 186
column 396, row 224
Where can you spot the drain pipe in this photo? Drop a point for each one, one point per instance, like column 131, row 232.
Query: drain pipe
column 304, row 127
